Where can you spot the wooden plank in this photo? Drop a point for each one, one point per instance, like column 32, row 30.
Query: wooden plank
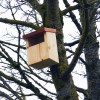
column 52, row 46
column 43, row 51
column 33, row 54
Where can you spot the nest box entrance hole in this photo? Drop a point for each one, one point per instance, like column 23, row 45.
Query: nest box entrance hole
column 36, row 39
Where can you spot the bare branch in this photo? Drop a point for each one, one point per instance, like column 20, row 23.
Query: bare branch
column 13, row 79
column 78, row 51
column 72, row 43
column 23, row 23
column 82, row 91
column 5, row 95
column 73, row 17
column 3, row 42
column 79, row 57
column 69, row 9
column 7, row 86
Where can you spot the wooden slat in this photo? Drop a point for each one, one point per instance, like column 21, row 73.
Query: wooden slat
column 43, row 51
column 33, row 54
column 50, row 40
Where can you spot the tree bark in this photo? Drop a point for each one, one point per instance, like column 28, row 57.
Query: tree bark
column 91, row 56
column 93, row 62
column 65, row 89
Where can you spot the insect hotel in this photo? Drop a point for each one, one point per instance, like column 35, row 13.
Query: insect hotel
column 41, row 48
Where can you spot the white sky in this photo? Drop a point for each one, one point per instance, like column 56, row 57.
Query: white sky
column 69, row 28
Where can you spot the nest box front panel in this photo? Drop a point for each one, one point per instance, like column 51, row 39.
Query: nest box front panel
column 33, row 54
column 37, row 53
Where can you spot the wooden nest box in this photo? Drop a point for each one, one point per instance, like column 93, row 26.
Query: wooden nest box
column 41, row 48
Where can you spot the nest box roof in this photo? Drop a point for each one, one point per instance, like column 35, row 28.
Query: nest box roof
column 38, row 32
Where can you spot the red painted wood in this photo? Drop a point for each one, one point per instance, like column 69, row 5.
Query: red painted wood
column 38, row 32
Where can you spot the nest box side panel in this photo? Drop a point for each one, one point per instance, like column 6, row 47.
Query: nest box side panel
column 33, row 54
column 50, row 39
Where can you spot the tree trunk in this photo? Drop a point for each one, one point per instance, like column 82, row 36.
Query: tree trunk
column 93, row 68
column 91, row 56
column 65, row 89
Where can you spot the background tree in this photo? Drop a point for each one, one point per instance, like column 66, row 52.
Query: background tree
column 18, row 81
